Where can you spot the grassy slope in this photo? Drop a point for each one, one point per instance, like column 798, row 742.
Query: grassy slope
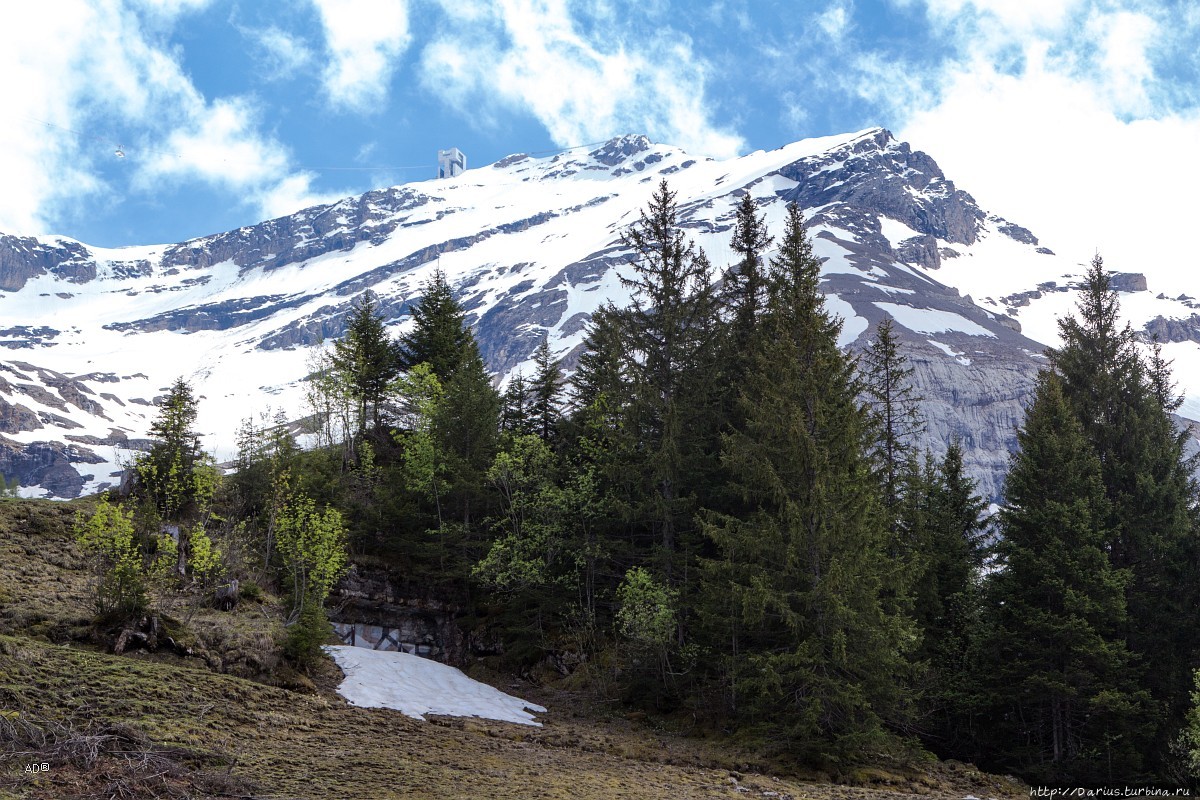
column 218, row 735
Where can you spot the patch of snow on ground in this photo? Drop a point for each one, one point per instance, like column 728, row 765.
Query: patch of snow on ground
column 932, row 320
column 416, row 686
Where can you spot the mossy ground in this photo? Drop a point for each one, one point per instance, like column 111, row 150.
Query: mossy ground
column 196, row 732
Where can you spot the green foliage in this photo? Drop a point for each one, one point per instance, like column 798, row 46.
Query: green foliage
column 1122, row 401
column 9, row 487
column 746, row 283
column 204, row 558
column 330, row 407
column 531, row 541
column 544, row 392
column 646, row 609
column 107, row 537
column 515, row 414
column 421, row 395
column 313, row 546
column 1186, row 745
column 794, row 597
column 168, row 472
column 895, row 404
column 306, row 635
column 466, row 429
column 946, row 595
column 666, row 336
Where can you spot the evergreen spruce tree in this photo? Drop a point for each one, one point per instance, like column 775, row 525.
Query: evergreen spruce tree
column 167, row 470
column 815, row 658
column 601, row 368
column 515, row 417
column 746, row 282
column 667, row 333
column 946, row 598
column 896, row 406
column 467, row 426
column 440, row 332
column 1066, row 706
column 366, row 360
column 1123, row 404
column 544, row 392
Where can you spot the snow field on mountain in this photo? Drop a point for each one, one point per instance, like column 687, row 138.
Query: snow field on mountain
column 417, row 686
column 931, row 320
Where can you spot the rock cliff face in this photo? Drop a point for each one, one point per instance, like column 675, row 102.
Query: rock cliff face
column 378, row 609
column 531, row 246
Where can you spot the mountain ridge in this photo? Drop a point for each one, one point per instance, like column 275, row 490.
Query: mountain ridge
column 531, row 246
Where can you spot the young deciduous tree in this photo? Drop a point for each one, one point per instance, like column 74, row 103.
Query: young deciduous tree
column 312, row 543
column 176, row 476
column 108, row 538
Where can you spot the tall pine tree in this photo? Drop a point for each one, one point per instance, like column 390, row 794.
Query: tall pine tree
column 544, row 392
column 814, row 657
column 896, row 405
column 440, row 332
column 667, row 332
column 366, row 360
column 1123, row 402
column 1059, row 677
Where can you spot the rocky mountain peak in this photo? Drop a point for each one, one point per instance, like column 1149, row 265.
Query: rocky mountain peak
column 617, row 151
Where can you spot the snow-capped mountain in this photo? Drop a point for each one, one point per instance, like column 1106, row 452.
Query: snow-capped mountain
column 532, row 247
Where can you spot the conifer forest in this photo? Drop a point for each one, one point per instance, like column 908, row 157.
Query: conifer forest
column 721, row 515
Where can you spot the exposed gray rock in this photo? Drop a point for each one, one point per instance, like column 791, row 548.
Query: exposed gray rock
column 213, row 316
column 22, row 258
column 1174, row 330
column 25, row 337
column 1128, row 281
column 616, row 151
column 875, row 172
column 1015, row 231
column 15, row 418
column 920, row 250
column 379, row 599
column 45, row 464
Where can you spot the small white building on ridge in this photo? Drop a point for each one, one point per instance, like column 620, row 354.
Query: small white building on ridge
column 451, row 163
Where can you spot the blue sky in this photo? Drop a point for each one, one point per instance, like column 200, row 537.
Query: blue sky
column 1077, row 118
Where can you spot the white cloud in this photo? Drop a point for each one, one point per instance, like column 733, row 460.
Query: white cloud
column 365, row 39
column 109, row 81
column 291, row 194
column 834, row 21
column 1054, row 147
column 531, row 55
column 281, row 54
column 1124, row 39
column 218, row 144
column 172, row 8
column 1018, row 15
